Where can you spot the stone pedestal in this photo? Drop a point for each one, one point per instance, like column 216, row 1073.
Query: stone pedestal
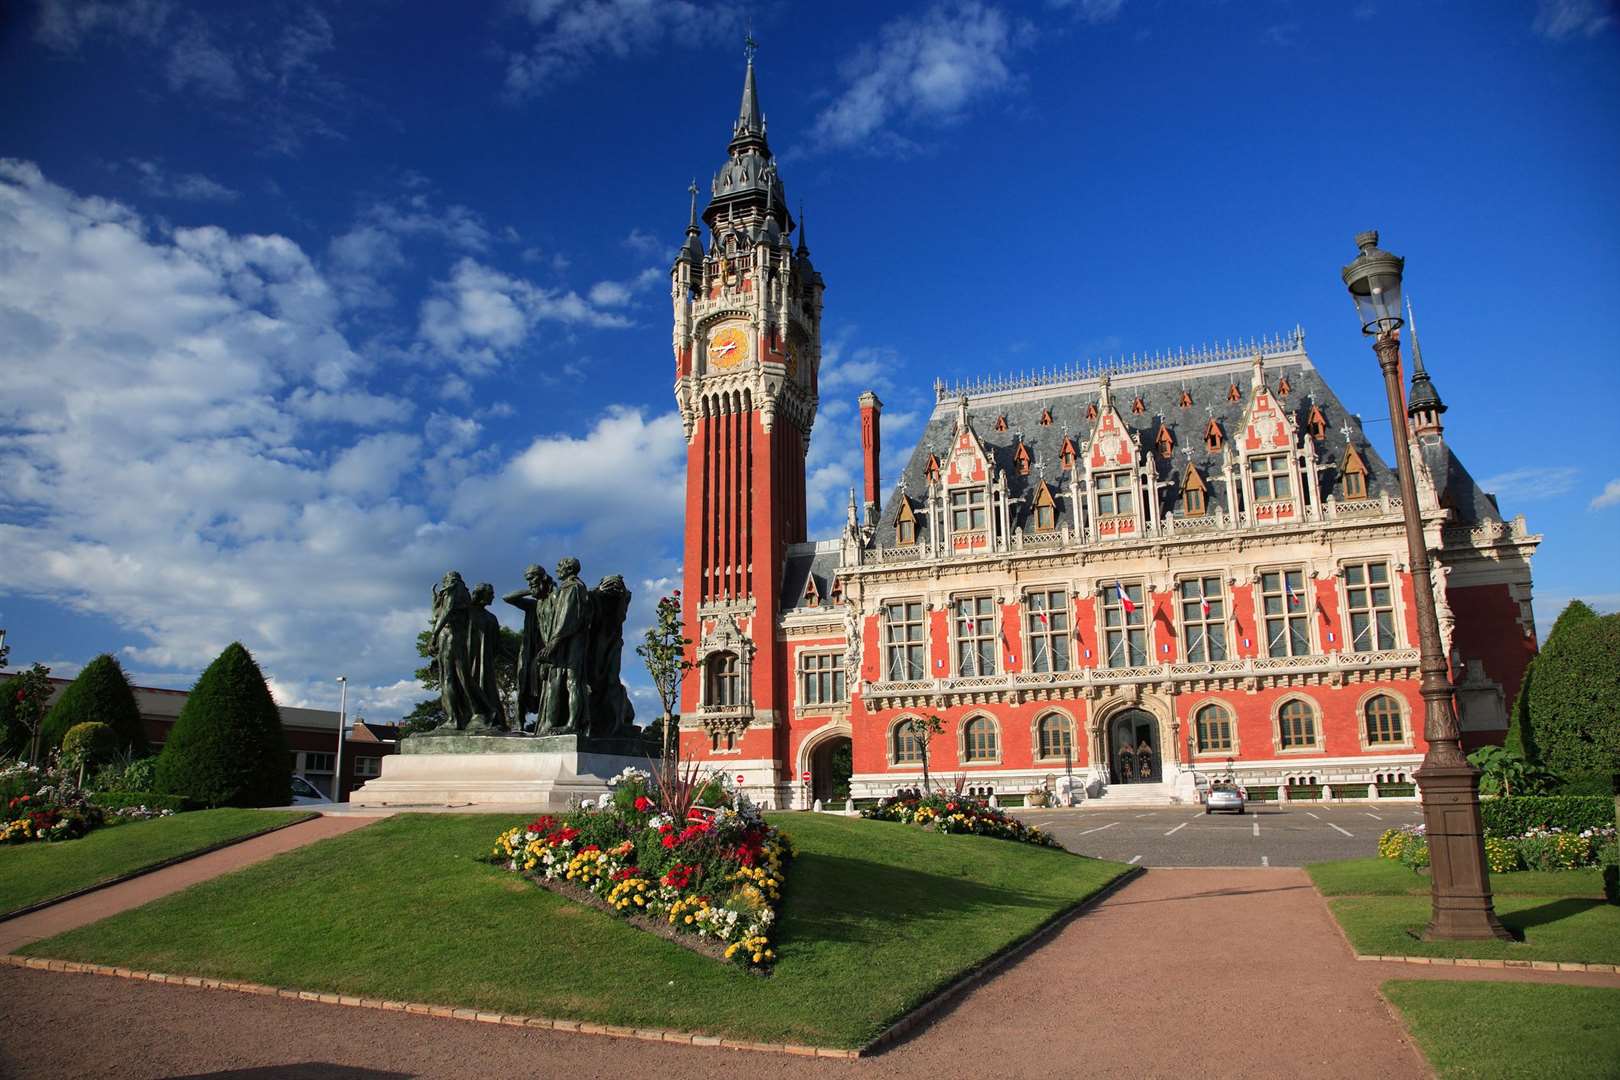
column 1463, row 910
column 541, row 771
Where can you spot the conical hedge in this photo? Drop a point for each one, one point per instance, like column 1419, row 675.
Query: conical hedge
column 227, row 748
column 101, row 694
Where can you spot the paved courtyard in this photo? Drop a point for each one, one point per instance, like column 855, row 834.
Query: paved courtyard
column 1290, row 835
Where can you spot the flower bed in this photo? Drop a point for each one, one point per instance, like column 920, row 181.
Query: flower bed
column 43, row 805
column 957, row 814
column 1534, row 849
column 708, row 867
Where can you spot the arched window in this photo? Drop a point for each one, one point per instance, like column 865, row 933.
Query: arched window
column 1296, row 725
column 725, row 680
column 1055, row 737
column 1384, row 723
column 907, row 748
column 979, row 740
column 1214, row 730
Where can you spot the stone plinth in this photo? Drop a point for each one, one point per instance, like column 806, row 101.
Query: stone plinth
column 546, row 771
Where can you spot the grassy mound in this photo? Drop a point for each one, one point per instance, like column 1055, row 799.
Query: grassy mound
column 876, row 917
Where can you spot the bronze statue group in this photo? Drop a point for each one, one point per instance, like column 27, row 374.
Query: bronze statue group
column 568, row 665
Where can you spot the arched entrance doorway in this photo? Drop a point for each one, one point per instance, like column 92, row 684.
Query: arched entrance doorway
column 831, row 763
column 1133, row 748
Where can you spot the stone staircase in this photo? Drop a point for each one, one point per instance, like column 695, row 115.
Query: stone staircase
column 1160, row 794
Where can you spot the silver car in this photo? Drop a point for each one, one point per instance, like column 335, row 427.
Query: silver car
column 1224, row 797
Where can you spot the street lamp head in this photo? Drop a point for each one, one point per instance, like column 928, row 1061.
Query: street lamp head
column 1374, row 281
column 342, row 678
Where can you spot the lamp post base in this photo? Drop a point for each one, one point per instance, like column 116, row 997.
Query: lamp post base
column 1462, row 891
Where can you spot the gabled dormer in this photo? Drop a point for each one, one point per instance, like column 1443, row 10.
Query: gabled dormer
column 1271, row 481
column 1043, row 511
column 1194, row 493
column 969, row 472
column 1112, row 458
column 905, row 523
column 1352, row 474
column 1067, row 454
column 1021, row 458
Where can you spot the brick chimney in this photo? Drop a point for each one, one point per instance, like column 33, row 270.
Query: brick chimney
column 871, row 449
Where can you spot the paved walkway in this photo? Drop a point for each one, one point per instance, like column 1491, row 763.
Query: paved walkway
column 1181, row 973
column 71, row 914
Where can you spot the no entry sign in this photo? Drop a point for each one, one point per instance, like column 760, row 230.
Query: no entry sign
column 805, row 776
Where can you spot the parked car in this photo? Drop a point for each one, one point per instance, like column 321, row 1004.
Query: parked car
column 305, row 793
column 1225, row 797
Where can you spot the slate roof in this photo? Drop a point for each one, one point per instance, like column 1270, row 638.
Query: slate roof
column 1208, row 385
column 804, row 561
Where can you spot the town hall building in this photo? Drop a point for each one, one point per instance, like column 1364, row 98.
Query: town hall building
column 1118, row 579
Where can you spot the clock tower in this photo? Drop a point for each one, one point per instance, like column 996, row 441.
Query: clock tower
column 747, row 341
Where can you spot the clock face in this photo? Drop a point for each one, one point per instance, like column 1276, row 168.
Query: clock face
column 728, row 347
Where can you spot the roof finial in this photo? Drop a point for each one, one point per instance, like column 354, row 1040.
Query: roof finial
column 804, row 248
column 1411, row 322
column 748, row 121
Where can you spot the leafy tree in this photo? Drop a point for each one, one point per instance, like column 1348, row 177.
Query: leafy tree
column 664, row 651
column 1521, row 736
column 426, row 716
column 506, row 674
column 928, row 728
column 89, row 744
column 101, row 694
column 227, row 748
column 26, row 696
column 1574, row 702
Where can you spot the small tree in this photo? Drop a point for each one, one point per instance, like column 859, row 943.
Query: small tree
column 100, row 694
column 89, row 744
column 927, row 728
column 1575, row 700
column 1521, row 736
column 424, row 716
column 27, row 695
column 227, row 748
column 664, row 651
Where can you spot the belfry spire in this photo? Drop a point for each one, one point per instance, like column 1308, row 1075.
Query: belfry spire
column 1424, row 398
column 748, row 117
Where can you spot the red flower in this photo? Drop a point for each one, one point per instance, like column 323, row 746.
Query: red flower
column 624, row 874
column 590, row 847
column 668, row 840
column 679, row 876
column 561, row 836
column 541, row 825
column 643, row 804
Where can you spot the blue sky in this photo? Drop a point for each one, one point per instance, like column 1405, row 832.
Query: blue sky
column 301, row 304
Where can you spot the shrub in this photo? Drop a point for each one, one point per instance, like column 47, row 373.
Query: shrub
column 87, row 744
column 1571, row 813
column 1574, row 698
column 117, row 800
column 1548, row 850
column 1501, row 856
column 128, row 774
column 101, row 694
column 227, row 748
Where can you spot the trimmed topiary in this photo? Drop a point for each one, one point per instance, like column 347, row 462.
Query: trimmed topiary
column 89, row 744
column 101, row 694
column 1575, row 700
column 227, row 748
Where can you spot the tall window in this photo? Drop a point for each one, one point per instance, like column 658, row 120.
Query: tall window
column 1192, row 502
column 821, row 677
column 1296, row 724
column 907, row 746
column 1055, row 737
column 975, row 635
column 905, row 634
column 1288, row 626
column 725, row 680
column 1372, row 606
column 1126, row 626
column 979, row 740
column 1384, row 724
column 1115, row 494
column 1214, row 730
column 1269, row 473
column 1203, row 619
column 1046, row 621
column 1355, row 479
column 967, row 510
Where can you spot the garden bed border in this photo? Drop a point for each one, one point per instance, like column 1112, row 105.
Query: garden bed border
column 152, row 868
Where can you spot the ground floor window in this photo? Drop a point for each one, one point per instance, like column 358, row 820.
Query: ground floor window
column 907, row 748
column 1296, row 723
column 979, row 742
column 1055, row 737
column 1214, row 730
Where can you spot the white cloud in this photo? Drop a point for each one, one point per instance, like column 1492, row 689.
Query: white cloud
column 1092, row 11
column 1533, row 482
column 923, row 69
column 646, row 244
column 1560, row 20
column 570, row 35
column 190, row 187
column 1609, row 496
column 360, row 258
column 182, row 454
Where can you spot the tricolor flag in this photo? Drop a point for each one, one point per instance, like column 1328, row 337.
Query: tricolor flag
column 1041, row 615
column 1204, row 605
column 1293, row 596
column 1119, row 591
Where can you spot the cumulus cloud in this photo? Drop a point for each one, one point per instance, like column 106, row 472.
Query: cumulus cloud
column 570, row 36
column 1560, row 20
column 481, row 314
column 1609, row 496
column 360, row 259
column 926, row 69
column 1532, row 482
column 193, row 451
column 160, row 183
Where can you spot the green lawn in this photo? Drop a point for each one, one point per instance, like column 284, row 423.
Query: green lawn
column 33, row 872
column 1386, row 877
column 1512, row 1030
column 876, row 917
column 1570, row 928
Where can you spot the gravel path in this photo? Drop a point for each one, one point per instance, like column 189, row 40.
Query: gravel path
column 1181, row 973
column 95, row 906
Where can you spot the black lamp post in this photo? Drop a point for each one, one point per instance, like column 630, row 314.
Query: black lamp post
column 1448, row 786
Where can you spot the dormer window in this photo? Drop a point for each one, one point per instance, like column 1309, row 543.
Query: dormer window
column 1284, row 388
column 1115, row 494
column 1001, row 423
column 931, row 470
column 1355, row 474
column 1165, row 442
column 1186, row 399
column 1138, row 406
column 1316, row 424
column 905, row 524
column 1270, row 477
column 1045, row 509
column 1046, row 418
column 836, row 593
column 967, row 510
column 1194, row 496
column 1233, row 393
column 812, row 595
column 1091, row 411
column 1213, row 437
column 1021, row 459
column 1066, row 455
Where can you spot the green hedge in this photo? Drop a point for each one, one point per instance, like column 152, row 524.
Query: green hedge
column 1513, row 816
column 1262, row 794
column 114, row 800
column 1304, row 792
column 1350, row 791
column 1396, row 791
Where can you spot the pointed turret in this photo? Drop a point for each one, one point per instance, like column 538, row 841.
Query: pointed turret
column 749, row 122
column 747, row 185
column 692, row 249
column 1423, row 404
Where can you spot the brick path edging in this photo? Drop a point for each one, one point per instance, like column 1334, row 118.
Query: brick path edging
column 581, row 1027
column 1529, row 965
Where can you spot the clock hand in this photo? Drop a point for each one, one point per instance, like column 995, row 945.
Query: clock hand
column 730, row 346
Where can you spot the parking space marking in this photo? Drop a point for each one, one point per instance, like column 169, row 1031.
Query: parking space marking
column 1199, row 815
column 1139, row 817
column 1099, row 828
column 1372, row 815
column 1135, row 859
column 1265, row 860
column 1177, row 829
column 1257, row 828
column 1309, row 814
column 1346, row 832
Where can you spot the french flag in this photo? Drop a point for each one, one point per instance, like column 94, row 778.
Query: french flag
column 1125, row 601
column 1293, row 597
column 1204, row 604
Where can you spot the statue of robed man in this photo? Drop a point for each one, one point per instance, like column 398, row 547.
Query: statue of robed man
column 533, row 671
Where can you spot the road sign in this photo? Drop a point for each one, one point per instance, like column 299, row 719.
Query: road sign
column 805, row 776
column 739, row 778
